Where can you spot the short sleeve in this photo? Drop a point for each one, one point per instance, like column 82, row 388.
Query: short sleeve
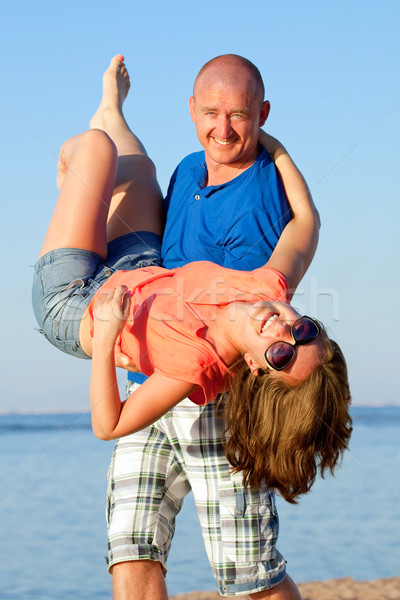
column 212, row 381
column 274, row 281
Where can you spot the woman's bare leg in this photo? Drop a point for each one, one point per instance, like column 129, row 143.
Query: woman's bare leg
column 106, row 189
column 137, row 200
column 87, row 170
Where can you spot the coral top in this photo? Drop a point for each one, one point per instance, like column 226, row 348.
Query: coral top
column 165, row 332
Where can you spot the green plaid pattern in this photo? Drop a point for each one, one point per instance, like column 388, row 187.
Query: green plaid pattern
column 150, row 474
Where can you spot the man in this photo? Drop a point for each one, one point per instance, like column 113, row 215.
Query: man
column 226, row 205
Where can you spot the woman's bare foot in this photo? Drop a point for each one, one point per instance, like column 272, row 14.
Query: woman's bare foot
column 116, row 85
column 109, row 116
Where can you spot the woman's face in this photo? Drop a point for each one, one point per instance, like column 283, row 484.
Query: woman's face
column 269, row 322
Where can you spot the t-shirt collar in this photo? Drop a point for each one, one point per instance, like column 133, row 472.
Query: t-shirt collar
column 199, row 174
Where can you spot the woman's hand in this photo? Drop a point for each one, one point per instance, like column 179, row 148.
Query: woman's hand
column 111, row 314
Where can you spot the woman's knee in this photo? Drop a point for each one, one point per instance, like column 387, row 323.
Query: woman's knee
column 98, row 141
column 94, row 142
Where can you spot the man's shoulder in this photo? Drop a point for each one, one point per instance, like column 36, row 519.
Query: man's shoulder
column 192, row 160
column 191, row 170
column 263, row 174
column 263, row 160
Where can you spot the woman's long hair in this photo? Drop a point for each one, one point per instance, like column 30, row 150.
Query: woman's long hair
column 283, row 435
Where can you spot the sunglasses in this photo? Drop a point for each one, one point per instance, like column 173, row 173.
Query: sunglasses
column 280, row 354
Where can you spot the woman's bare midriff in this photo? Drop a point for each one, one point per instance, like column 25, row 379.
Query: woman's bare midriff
column 85, row 339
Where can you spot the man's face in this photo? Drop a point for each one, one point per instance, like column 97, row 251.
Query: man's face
column 228, row 115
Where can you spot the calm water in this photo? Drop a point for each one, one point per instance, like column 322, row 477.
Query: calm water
column 52, row 493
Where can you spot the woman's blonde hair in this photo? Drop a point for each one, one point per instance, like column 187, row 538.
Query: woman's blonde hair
column 283, row 436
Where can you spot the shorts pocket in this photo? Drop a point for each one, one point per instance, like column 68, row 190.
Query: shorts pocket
column 249, row 523
column 68, row 346
column 65, row 327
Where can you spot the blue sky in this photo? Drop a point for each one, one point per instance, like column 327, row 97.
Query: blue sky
column 332, row 76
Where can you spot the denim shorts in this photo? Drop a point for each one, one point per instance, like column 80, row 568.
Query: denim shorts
column 66, row 279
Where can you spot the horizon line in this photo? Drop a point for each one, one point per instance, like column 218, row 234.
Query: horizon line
column 82, row 411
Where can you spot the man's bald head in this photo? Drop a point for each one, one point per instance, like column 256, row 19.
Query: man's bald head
column 231, row 69
column 228, row 109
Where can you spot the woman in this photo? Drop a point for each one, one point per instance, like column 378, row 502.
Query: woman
column 235, row 330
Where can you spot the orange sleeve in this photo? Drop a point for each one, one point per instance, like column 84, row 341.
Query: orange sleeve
column 274, row 282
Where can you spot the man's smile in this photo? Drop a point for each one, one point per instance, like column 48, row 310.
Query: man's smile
column 223, row 142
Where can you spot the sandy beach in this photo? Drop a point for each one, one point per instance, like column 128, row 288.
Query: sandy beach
column 331, row 589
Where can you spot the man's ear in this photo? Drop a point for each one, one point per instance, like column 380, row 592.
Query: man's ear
column 264, row 112
column 191, row 109
column 252, row 365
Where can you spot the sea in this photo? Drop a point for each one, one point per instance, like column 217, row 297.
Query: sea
column 52, row 501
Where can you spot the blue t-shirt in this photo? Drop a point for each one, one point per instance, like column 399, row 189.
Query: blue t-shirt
column 236, row 224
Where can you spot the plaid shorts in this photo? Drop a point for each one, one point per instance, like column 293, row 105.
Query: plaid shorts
column 150, row 474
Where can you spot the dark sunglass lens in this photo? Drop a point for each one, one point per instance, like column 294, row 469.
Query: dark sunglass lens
column 279, row 355
column 304, row 330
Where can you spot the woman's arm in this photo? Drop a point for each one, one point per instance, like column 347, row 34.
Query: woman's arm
column 110, row 418
column 296, row 247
